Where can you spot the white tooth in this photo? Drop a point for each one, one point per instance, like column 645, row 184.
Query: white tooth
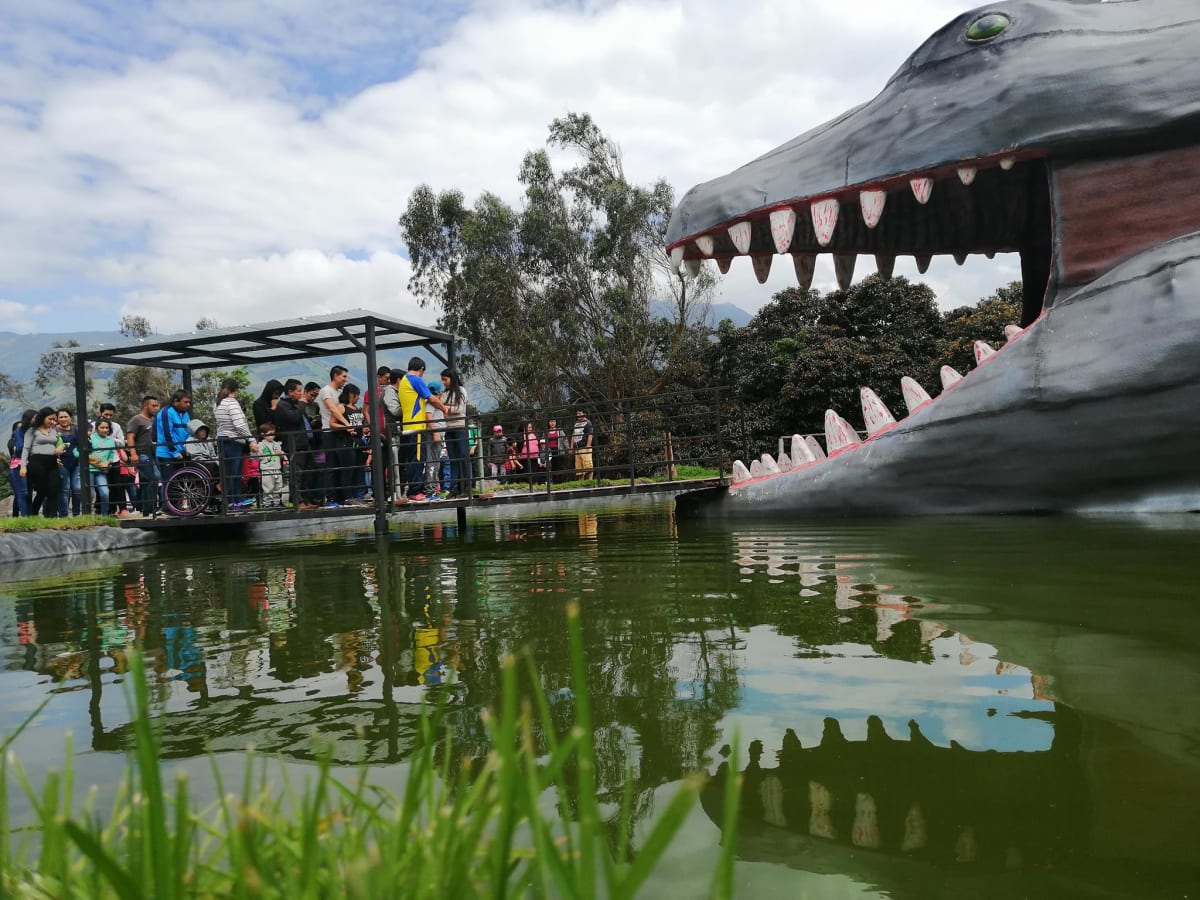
column 983, row 350
column 915, row 396
column 966, row 848
column 923, row 260
column 922, row 188
column 843, row 267
column 1011, row 331
column 806, row 266
column 762, row 267
column 865, row 832
column 960, row 258
column 676, row 257
column 723, row 264
column 692, row 266
column 820, row 803
column 1007, row 163
column 783, row 226
column 784, row 462
column 740, row 235
column 875, row 414
column 915, row 835
column 838, row 433
column 949, row 377
column 966, row 174
column 872, row 206
column 824, row 219
column 756, row 469
column 885, row 264
column 705, row 244
column 769, row 466
column 815, row 446
column 740, row 472
column 802, row 454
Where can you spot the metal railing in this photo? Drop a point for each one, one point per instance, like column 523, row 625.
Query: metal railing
column 655, row 437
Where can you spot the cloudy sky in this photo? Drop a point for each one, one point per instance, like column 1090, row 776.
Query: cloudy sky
column 248, row 161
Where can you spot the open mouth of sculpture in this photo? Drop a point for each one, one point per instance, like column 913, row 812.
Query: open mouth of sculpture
column 988, row 206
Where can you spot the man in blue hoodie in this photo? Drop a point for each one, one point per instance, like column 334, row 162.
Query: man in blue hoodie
column 171, row 432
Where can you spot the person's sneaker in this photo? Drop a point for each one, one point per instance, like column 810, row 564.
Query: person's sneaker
column 332, row 505
column 442, row 495
column 417, row 498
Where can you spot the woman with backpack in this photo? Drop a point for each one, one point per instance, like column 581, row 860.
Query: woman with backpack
column 16, row 477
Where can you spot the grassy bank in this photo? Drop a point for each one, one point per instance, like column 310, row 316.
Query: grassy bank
column 475, row 829
column 40, row 523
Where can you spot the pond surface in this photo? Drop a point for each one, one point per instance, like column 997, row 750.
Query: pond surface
column 972, row 707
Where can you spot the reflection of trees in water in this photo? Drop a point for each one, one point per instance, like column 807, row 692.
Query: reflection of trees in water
column 662, row 636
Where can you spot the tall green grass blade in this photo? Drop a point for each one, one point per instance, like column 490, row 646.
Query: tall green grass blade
column 125, row 885
column 589, row 813
column 723, row 877
column 659, row 839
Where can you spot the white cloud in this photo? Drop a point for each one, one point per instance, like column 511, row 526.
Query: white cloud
column 18, row 316
column 279, row 286
column 203, row 171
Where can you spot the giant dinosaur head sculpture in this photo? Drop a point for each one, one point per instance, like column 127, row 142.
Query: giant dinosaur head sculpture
column 1066, row 131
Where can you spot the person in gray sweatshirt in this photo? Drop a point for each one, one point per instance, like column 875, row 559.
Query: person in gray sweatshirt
column 39, row 462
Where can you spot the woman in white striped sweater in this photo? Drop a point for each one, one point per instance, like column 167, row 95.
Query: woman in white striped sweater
column 233, row 440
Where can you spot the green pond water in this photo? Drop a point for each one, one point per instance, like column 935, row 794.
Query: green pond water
column 958, row 707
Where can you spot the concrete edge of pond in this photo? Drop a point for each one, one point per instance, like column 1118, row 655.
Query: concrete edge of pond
column 284, row 529
column 53, row 544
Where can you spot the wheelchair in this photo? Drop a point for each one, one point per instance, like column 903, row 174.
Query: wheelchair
column 191, row 489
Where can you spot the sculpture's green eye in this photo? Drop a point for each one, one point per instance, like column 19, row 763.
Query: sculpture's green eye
column 988, row 26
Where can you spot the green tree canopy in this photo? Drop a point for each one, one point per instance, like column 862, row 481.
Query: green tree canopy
column 805, row 352
column 554, row 297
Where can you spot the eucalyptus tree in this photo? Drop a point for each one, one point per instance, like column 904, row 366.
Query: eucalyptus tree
column 560, row 298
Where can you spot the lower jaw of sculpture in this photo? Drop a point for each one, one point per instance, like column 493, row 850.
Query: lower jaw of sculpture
column 1096, row 406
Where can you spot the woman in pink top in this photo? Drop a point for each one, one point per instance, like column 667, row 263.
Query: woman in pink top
column 531, row 450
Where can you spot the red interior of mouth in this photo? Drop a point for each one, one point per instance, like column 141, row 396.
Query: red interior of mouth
column 1108, row 210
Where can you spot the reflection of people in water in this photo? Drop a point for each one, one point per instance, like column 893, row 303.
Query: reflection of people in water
column 183, row 653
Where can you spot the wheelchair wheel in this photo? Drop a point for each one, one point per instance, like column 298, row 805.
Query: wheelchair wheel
column 187, row 492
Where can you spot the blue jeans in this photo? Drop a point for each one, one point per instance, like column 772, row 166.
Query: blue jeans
column 460, row 463
column 411, row 468
column 70, row 493
column 148, row 482
column 100, row 485
column 20, row 489
column 233, row 453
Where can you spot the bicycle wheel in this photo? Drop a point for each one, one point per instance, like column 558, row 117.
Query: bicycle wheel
column 187, row 492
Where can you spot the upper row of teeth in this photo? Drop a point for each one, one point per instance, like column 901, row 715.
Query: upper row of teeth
column 824, row 214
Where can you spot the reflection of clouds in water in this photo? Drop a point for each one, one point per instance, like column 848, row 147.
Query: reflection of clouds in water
column 948, row 699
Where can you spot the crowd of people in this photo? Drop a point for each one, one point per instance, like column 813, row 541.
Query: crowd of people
column 308, row 446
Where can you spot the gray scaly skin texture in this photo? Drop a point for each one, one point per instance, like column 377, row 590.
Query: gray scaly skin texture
column 1097, row 404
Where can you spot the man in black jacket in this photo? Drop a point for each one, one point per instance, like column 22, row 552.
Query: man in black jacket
column 295, row 432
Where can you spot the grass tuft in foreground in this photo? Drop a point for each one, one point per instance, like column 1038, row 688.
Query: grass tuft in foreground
column 479, row 830
column 26, row 524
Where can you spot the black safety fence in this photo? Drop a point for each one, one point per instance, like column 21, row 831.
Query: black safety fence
column 670, row 436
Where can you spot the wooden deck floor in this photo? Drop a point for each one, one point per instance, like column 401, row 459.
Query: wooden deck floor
column 367, row 511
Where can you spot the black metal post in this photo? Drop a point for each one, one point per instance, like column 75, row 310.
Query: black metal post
column 83, row 444
column 629, row 443
column 378, row 481
column 187, row 379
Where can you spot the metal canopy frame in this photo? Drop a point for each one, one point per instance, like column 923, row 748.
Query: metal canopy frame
column 303, row 337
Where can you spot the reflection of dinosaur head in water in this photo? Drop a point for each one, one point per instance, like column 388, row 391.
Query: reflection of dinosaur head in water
column 904, row 813
column 1066, row 132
